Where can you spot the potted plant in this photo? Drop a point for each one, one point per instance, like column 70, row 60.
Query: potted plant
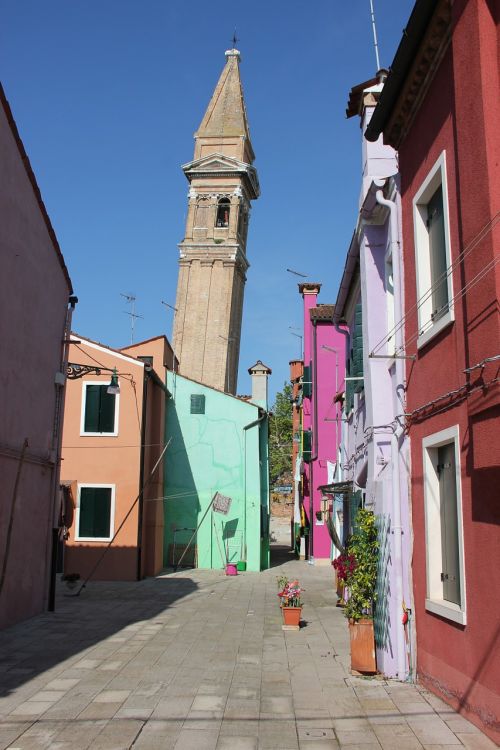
column 360, row 580
column 343, row 565
column 290, row 603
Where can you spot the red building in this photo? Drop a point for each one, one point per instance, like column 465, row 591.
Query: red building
column 440, row 109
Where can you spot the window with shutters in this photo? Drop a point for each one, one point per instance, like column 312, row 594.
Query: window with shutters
column 197, row 403
column 354, row 365
column 443, row 525
column 95, row 512
column 433, row 255
column 99, row 410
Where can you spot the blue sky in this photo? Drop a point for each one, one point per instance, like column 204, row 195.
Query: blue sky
column 107, row 95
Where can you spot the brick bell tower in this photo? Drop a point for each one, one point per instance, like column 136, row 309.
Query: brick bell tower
column 213, row 262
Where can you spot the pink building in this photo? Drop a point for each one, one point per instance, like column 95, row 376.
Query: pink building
column 324, row 352
column 35, row 291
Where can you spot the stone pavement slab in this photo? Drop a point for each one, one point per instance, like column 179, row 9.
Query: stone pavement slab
column 197, row 660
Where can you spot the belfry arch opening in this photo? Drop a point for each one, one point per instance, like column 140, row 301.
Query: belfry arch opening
column 223, row 208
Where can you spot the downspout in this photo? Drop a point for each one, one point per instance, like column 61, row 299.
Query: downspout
column 314, row 456
column 396, row 491
column 140, row 509
column 149, row 374
column 57, row 448
column 245, row 428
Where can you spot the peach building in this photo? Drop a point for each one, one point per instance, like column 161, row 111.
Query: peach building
column 111, row 444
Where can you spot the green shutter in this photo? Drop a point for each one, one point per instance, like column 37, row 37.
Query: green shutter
column 92, row 398
column 307, row 381
column 99, row 409
column 95, row 512
column 307, row 445
column 106, row 410
column 197, row 404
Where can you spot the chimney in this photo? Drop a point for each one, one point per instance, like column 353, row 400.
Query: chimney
column 260, row 373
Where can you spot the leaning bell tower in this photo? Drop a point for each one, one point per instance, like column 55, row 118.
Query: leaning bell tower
column 213, row 260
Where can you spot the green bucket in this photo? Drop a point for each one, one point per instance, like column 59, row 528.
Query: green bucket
column 241, row 565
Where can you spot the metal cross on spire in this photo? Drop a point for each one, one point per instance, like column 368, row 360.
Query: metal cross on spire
column 234, row 40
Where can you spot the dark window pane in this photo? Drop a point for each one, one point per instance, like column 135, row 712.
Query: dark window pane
column 437, row 249
column 449, row 523
column 99, row 409
column 95, row 512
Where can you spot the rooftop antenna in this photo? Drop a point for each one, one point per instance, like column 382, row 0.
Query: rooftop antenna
column 297, row 273
column 131, row 298
column 375, row 42
column 175, row 310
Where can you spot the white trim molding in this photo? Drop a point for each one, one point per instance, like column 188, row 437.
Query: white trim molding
column 108, row 538
column 85, row 383
column 427, row 327
column 434, row 601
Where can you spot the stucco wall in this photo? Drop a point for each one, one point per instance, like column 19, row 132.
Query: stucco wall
column 460, row 115
column 34, row 291
column 105, row 460
column 207, row 455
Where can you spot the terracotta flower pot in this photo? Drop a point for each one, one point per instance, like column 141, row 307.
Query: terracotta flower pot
column 291, row 615
column 362, row 646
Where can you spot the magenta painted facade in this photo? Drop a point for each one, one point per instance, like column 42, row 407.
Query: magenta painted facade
column 324, row 349
column 34, row 291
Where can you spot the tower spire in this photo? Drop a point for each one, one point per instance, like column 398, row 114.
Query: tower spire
column 213, row 263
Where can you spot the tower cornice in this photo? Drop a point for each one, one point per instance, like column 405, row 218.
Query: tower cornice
column 220, row 165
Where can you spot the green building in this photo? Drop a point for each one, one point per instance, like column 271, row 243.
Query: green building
column 218, row 443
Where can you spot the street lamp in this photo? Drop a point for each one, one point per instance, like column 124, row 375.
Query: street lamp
column 76, row 371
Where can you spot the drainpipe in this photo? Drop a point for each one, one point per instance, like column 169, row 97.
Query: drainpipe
column 396, row 500
column 245, row 428
column 149, row 374
column 57, row 447
column 140, row 509
column 314, row 456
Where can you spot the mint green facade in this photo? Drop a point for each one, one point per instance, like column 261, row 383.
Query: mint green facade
column 224, row 449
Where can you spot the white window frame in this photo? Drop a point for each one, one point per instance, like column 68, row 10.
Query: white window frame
column 434, row 601
column 427, row 328
column 79, row 538
column 85, row 383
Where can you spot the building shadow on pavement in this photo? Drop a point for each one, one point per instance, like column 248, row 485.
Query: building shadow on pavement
column 101, row 611
column 281, row 554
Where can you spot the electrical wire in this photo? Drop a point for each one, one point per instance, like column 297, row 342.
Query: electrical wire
column 483, row 232
column 461, row 293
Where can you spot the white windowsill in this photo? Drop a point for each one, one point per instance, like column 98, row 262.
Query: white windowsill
column 93, row 538
column 98, row 434
column 435, row 329
column 446, row 609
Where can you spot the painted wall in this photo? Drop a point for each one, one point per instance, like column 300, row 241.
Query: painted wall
column 208, row 453
column 34, row 290
column 105, row 459
column 460, row 114
column 373, row 459
column 319, row 414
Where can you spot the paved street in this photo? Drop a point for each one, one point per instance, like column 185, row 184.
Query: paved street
column 198, row 660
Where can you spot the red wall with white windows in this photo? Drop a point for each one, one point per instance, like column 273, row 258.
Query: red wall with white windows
column 459, row 115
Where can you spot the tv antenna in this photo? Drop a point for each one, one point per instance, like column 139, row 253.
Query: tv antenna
column 297, row 273
column 170, row 306
column 131, row 298
column 375, row 42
